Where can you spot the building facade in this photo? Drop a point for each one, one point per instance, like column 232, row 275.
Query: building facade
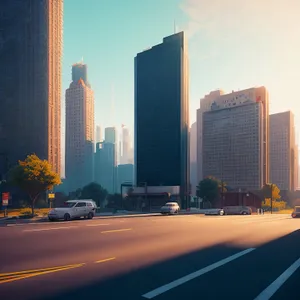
column 105, row 166
column 283, row 151
column 236, row 139
column 162, row 115
column 125, row 145
column 110, row 135
column 31, row 37
column 193, row 157
column 205, row 105
column 98, row 134
column 79, row 135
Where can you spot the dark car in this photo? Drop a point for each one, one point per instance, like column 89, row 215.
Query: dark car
column 296, row 212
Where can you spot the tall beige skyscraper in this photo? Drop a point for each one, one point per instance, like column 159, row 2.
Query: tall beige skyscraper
column 283, row 151
column 235, row 139
column 31, row 38
column 79, row 134
column 205, row 105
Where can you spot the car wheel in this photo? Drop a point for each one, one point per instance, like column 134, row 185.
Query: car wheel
column 51, row 219
column 244, row 213
column 221, row 213
column 67, row 217
column 90, row 215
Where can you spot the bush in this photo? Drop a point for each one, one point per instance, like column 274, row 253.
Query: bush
column 277, row 205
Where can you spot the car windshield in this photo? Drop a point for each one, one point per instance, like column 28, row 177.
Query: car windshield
column 170, row 204
column 297, row 209
column 68, row 204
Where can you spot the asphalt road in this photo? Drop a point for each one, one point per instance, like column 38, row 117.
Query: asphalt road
column 169, row 257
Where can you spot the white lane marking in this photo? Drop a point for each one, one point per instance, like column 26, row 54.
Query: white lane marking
column 93, row 225
column 194, row 275
column 275, row 285
column 46, row 229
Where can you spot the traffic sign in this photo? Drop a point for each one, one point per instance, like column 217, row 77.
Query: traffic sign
column 5, row 197
column 51, row 196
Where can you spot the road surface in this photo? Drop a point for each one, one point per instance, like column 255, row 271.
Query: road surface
column 157, row 257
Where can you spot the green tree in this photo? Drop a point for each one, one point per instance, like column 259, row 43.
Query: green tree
column 34, row 176
column 94, row 191
column 114, row 201
column 208, row 189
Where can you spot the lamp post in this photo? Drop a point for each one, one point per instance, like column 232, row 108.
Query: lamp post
column 271, row 198
column 146, row 192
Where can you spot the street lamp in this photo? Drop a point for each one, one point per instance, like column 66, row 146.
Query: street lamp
column 146, row 190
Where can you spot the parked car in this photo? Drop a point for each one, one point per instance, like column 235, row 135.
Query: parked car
column 237, row 210
column 73, row 209
column 296, row 212
column 215, row 212
column 170, row 208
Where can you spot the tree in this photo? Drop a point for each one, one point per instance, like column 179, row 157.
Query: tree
column 208, row 189
column 34, row 176
column 114, row 201
column 271, row 190
column 94, row 191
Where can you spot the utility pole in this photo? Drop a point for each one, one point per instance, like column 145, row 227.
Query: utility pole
column 271, row 198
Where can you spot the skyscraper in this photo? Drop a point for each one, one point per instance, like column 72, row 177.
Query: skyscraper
column 162, row 115
column 205, row 105
column 125, row 157
column 193, row 157
column 110, row 135
column 236, row 139
column 30, row 81
column 79, row 71
column 105, row 166
column 98, row 134
column 79, row 134
column 283, row 151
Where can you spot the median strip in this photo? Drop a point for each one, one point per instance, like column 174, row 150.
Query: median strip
column 194, row 275
column 116, row 230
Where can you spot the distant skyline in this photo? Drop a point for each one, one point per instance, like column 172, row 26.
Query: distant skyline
column 232, row 44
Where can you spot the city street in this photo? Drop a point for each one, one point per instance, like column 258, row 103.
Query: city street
column 154, row 257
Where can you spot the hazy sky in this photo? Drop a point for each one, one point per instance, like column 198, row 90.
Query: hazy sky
column 233, row 44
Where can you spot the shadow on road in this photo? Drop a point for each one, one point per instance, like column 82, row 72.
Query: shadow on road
column 243, row 278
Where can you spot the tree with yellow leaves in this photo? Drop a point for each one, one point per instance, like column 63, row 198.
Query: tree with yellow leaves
column 34, row 176
column 271, row 190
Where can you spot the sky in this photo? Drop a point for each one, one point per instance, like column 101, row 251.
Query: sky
column 233, row 45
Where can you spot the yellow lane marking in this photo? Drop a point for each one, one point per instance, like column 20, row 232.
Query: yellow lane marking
column 104, row 260
column 9, row 277
column 93, row 225
column 47, row 229
column 116, row 230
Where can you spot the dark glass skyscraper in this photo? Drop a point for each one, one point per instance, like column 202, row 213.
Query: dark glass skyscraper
column 162, row 115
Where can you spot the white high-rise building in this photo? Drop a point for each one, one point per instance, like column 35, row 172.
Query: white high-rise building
column 98, row 134
column 79, row 134
column 125, row 157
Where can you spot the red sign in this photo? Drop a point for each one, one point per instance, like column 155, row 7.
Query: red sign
column 5, row 197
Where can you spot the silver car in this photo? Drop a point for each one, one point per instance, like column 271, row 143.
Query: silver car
column 74, row 209
column 170, row 208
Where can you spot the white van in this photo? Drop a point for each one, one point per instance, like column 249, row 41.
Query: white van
column 73, row 209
